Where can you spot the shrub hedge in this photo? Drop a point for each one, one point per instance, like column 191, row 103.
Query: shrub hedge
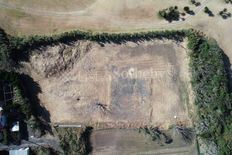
column 211, row 87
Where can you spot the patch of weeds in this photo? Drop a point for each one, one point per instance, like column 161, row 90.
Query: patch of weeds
column 156, row 135
column 75, row 141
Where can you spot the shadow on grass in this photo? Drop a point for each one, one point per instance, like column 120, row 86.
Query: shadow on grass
column 87, row 135
column 32, row 89
column 228, row 69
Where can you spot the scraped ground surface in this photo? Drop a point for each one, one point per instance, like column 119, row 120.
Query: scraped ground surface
column 127, row 85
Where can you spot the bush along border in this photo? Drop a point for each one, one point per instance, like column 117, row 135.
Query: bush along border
column 21, row 46
column 211, row 89
column 19, row 100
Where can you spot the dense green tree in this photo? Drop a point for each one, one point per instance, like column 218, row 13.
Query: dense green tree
column 212, row 96
column 170, row 14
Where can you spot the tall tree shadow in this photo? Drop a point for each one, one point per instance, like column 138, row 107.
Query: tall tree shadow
column 31, row 90
column 87, row 135
column 228, row 69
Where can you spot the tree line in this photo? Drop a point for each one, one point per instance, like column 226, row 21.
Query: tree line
column 212, row 94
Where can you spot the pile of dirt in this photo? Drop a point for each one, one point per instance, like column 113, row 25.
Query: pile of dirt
column 58, row 59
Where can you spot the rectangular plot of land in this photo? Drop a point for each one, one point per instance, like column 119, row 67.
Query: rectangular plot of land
column 117, row 85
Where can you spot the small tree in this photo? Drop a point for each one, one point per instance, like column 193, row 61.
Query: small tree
column 208, row 11
column 186, row 9
column 228, row 1
column 170, row 14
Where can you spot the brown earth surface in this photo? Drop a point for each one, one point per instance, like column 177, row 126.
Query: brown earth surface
column 127, row 85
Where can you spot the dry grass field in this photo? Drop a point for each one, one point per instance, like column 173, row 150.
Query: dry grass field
column 20, row 17
column 128, row 85
column 104, row 15
column 123, row 141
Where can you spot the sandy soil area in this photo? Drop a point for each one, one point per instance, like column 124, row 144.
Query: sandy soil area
column 128, row 85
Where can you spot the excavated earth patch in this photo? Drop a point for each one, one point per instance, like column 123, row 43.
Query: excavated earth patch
column 126, row 85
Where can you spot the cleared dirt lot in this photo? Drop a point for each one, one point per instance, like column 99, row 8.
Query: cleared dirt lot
column 128, row 85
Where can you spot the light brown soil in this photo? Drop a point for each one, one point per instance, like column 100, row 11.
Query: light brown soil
column 128, row 85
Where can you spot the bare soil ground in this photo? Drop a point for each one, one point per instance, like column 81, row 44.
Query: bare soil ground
column 128, row 85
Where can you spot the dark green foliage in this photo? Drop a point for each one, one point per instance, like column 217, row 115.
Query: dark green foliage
column 22, row 46
column 208, row 11
column 210, row 85
column 228, row 1
column 157, row 135
column 74, row 141
column 195, row 3
column 170, row 14
column 183, row 14
column 19, row 101
column 40, row 150
column 188, row 10
column 4, row 51
column 225, row 14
